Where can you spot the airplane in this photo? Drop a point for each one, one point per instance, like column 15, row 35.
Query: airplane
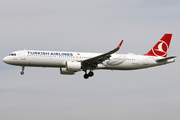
column 72, row 62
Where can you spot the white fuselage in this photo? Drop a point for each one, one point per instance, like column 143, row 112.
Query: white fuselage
column 71, row 62
column 36, row 58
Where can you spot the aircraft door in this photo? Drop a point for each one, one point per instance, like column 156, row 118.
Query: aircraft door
column 23, row 55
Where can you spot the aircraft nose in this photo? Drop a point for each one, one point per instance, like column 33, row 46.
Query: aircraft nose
column 5, row 59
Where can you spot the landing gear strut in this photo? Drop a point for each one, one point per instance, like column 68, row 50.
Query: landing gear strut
column 22, row 72
column 90, row 74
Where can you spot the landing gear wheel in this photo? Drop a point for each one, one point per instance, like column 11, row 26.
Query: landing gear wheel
column 86, row 76
column 90, row 74
column 22, row 73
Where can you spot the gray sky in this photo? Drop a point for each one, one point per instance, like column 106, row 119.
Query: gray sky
column 89, row 26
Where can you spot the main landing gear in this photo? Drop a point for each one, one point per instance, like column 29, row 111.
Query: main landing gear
column 87, row 75
column 22, row 72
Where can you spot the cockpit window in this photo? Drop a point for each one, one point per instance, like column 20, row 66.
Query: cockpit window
column 12, row 54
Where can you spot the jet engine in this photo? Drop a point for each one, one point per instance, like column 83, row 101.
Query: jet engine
column 63, row 71
column 73, row 66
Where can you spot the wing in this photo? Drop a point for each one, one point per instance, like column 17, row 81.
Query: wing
column 93, row 62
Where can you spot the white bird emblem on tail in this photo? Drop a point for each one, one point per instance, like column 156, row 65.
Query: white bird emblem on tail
column 160, row 47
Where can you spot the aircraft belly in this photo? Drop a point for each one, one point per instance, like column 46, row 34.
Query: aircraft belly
column 51, row 62
column 41, row 62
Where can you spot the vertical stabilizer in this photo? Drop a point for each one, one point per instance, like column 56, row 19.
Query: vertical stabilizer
column 161, row 47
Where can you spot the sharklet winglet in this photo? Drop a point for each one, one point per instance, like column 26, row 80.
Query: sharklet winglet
column 118, row 47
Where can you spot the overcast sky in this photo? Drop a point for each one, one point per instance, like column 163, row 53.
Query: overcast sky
column 89, row 26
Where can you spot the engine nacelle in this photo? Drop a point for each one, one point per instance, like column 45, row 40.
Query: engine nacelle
column 73, row 66
column 63, row 71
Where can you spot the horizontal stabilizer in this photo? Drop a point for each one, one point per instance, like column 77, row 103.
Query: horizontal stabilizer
column 165, row 59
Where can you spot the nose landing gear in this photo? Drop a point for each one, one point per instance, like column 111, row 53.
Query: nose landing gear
column 90, row 74
column 22, row 72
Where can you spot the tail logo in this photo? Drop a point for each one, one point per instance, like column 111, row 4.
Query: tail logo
column 160, row 49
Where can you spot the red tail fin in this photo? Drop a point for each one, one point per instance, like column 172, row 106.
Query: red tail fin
column 161, row 47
